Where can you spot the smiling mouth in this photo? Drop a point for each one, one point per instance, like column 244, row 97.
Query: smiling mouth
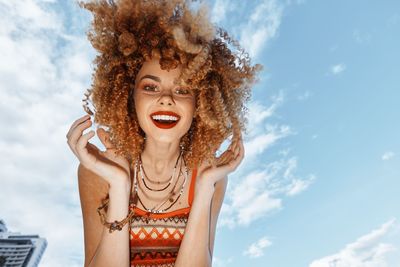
column 165, row 119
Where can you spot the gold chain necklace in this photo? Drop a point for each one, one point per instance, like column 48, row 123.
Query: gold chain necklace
column 155, row 209
column 143, row 175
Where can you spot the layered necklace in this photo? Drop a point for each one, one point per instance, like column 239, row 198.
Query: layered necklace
column 172, row 195
column 143, row 174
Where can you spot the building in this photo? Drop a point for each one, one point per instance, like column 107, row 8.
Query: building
column 17, row 250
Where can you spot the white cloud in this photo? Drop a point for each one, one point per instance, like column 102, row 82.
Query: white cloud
column 304, row 96
column 388, row 155
column 366, row 251
column 261, row 192
column 284, row 152
column 218, row 262
column 260, row 143
column 262, row 26
column 260, row 205
column 258, row 113
column 297, row 186
column 44, row 72
column 262, row 134
column 261, row 186
column 220, row 9
column 295, row 2
column 361, row 37
column 265, row 197
column 256, row 249
column 393, row 20
column 338, row 68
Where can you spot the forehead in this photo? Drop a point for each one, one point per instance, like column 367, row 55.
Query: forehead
column 153, row 67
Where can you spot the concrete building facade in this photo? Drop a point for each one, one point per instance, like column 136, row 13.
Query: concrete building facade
column 18, row 250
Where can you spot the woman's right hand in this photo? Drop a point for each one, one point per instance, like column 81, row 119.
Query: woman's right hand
column 113, row 169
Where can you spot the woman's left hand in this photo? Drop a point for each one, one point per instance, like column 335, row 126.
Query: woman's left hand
column 226, row 163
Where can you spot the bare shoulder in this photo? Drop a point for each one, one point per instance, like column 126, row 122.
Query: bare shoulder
column 92, row 189
column 91, row 186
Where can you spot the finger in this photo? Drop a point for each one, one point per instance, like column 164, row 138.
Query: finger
column 81, row 119
column 228, row 156
column 76, row 133
column 224, row 158
column 237, row 135
column 237, row 148
column 224, row 169
column 89, row 156
column 77, row 122
column 76, row 126
column 231, row 153
column 234, row 163
column 110, row 151
column 81, row 147
column 232, row 146
column 241, row 149
column 104, row 137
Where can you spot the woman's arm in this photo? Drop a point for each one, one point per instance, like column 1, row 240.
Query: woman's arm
column 198, row 241
column 101, row 247
column 99, row 173
column 216, row 204
column 200, row 228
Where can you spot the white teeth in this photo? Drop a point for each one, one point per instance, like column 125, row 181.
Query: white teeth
column 164, row 117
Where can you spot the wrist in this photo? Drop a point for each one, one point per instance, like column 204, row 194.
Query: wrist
column 204, row 187
column 120, row 189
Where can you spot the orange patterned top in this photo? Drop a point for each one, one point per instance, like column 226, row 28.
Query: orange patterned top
column 155, row 241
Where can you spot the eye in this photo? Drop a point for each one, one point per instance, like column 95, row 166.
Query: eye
column 150, row 87
column 182, row 91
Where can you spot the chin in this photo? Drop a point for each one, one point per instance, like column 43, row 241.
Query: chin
column 165, row 137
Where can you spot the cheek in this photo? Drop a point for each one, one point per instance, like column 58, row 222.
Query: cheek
column 140, row 109
column 191, row 106
column 193, row 110
column 190, row 110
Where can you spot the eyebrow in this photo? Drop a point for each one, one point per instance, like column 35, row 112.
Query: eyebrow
column 155, row 78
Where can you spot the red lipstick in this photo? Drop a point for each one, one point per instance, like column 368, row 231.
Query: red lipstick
column 165, row 119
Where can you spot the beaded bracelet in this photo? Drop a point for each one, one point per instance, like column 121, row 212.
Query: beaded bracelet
column 116, row 225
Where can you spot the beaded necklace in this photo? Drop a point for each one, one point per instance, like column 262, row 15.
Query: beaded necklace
column 172, row 193
column 143, row 175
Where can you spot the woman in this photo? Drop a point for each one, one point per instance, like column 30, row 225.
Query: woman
column 170, row 91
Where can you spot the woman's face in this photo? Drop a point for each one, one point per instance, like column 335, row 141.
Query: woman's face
column 164, row 109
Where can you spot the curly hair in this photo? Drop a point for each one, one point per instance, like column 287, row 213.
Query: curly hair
column 126, row 33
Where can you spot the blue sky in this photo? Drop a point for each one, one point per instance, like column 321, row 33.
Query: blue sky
column 319, row 184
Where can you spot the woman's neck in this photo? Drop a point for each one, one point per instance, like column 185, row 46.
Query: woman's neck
column 160, row 157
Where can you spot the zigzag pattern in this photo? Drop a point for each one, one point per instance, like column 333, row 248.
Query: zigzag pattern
column 156, row 242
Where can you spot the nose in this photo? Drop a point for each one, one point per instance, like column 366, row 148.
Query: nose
column 166, row 98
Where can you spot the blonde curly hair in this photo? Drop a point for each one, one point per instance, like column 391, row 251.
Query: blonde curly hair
column 126, row 33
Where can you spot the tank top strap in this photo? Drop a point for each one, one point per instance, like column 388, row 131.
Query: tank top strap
column 192, row 185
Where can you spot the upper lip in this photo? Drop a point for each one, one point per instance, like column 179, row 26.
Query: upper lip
column 169, row 113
